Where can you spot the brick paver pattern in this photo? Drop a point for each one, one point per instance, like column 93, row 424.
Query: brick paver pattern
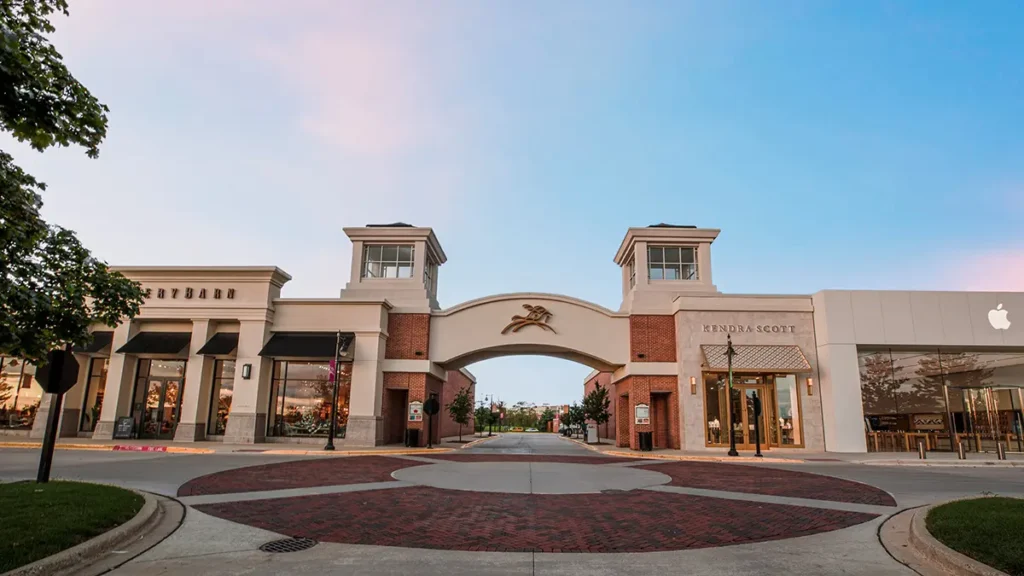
column 321, row 471
column 635, row 521
column 772, row 482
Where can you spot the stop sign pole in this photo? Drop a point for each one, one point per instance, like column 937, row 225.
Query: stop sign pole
column 58, row 375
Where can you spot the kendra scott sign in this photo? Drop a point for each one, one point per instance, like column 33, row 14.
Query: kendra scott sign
column 753, row 328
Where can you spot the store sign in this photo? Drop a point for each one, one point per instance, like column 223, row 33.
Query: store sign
column 642, row 414
column 928, row 422
column 189, row 293
column 415, row 411
column 751, row 328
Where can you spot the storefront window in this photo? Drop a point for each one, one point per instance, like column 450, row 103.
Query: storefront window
column 786, row 428
column 94, row 388
column 159, row 389
column 223, row 388
column 19, row 394
column 301, row 395
column 930, row 396
column 716, row 408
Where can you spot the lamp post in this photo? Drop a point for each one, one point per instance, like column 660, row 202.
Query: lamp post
column 334, row 373
column 729, row 353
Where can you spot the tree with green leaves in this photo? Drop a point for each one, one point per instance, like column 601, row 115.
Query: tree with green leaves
column 577, row 417
column 546, row 418
column 481, row 418
column 596, row 405
column 460, row 408
column 52, row 288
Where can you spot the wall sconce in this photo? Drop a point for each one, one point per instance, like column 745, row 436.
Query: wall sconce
column 246, row 371
column 810, row 386
column 693, row 385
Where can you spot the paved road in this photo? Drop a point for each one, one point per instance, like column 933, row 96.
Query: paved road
column 532, row 443
column 207, row 544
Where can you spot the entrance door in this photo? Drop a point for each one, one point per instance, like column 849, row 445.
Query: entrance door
column 163, row 408
column 742, row 406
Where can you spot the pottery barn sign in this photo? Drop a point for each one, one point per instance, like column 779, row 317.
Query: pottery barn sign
column 758, row 328
column 217, row 293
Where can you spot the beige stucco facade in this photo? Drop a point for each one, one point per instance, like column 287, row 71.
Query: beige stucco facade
column 403, row 346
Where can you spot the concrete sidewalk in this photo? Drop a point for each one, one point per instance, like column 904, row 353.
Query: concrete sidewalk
column 170, row 447
column 784, row 456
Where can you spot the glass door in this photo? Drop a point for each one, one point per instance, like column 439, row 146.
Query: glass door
column 743, row 415
column 163, row 408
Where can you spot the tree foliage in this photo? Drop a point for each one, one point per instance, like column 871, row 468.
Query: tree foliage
column 546, row 417
column 481, row 418
column 51, row 288
column 577, row 417
column 460, row 408
column 596, row 405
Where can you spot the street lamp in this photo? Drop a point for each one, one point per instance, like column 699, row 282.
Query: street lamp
column 334, row 372
column 729, row 353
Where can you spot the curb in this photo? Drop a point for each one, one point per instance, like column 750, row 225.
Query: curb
column 905, row 536
column 927, row 547
column 683, row 458
column 113, row 447
column 329, row 453
column 941, row 464
column 479, row 441
column 92, row 549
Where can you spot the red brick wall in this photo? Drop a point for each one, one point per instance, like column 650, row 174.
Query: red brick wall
column 607, row 430
column 639, row 389
column 408, row 334
column 621, row 418
column 652, row 338
column 420, row 385
column 456, row 381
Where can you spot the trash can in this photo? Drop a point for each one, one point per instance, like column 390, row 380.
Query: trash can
column 412, row 438
column 646, row 441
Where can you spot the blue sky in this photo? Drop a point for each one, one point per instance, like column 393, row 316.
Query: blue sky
column 836, row 144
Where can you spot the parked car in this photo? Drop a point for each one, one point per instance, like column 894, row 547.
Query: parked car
column 532, row 430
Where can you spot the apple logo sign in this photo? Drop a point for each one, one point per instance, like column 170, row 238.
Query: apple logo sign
column 997, row 318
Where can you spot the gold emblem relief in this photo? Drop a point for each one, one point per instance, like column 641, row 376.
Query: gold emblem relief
column 537, row 316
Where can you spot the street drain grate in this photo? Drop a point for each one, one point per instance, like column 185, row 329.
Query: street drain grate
column 288, row 545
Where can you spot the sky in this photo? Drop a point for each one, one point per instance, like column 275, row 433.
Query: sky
column 860, row 145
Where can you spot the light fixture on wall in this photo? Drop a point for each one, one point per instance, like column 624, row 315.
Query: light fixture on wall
column 810, row 386
column 246, row 371
column 693, row 385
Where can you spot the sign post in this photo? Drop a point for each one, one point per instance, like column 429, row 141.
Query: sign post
column 729, row 353
column 58, row 375
column 334, row 370
column 431, row 407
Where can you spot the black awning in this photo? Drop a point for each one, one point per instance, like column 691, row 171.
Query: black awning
column 172, row 343
column 100, row 340
column 307, row 345
column 222, row 343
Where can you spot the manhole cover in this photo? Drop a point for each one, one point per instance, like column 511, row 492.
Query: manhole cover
column 288, row 545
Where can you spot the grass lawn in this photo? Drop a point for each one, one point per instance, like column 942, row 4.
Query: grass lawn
column 37, row 520
column 990, row 530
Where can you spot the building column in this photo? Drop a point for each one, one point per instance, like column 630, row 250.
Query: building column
column 247, row 421
column 365, row 418
column 71, row 411
column 117, row 396
column 195, row 401
column 841, row 404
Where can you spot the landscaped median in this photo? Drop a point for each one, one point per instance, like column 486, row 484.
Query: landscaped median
column 40, row 520
column 989, row 530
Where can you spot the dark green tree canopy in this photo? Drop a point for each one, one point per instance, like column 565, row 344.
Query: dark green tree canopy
column 51, row 288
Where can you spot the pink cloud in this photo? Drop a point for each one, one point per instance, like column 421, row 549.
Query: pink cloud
column 991, row 271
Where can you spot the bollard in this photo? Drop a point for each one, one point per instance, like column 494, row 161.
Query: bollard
column 1000, row 451
column 921, row 452
column 960, row 451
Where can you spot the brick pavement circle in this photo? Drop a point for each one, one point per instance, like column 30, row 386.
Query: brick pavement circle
column 635, row 521
column 614, row 521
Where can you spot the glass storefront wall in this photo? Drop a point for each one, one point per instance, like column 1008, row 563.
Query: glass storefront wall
column 222, row 393
column 94, row 388
column 20, row 394
column 781, row 425
column 918, row 395
column 300, row 399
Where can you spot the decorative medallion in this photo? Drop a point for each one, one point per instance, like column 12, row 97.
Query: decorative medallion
column 538, row 316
